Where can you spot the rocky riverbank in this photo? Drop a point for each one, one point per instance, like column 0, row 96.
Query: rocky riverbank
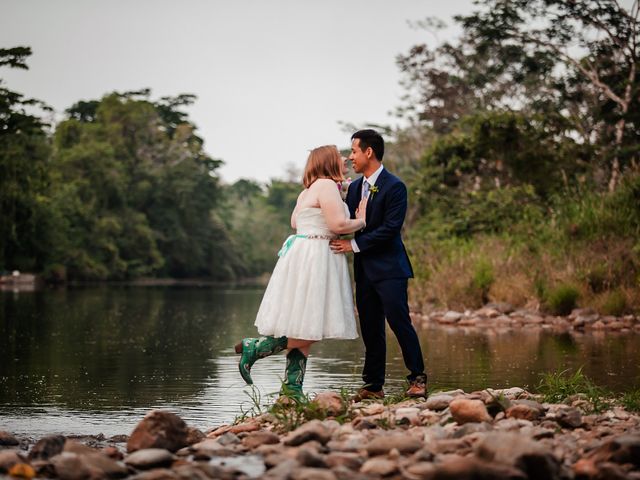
column 490, row 434
column 503, row 315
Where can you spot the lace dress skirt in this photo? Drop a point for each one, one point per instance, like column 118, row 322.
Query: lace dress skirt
column 309, row 293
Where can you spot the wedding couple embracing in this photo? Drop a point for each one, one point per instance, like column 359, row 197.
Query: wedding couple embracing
column 309, row 295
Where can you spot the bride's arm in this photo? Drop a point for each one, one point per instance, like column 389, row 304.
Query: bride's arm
column 333, row 209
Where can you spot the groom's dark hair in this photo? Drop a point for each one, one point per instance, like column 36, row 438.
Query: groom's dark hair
column 370, row 138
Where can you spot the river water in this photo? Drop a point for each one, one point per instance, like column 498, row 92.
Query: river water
column 96, row 359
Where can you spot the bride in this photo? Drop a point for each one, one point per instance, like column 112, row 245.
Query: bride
column 309, row 295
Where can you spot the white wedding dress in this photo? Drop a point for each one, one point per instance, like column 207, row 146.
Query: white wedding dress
column 309, row 294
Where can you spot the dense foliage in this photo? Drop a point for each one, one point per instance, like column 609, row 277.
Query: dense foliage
column 525, row 188
column 123, row 189
column 24, row 155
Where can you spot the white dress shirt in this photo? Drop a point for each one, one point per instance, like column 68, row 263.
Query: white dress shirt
column 371, row 181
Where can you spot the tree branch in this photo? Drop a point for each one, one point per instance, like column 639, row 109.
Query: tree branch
column 634, row 23
column 595, row 21
column 590, row 74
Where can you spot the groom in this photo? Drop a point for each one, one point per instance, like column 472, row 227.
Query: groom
column 381, row 267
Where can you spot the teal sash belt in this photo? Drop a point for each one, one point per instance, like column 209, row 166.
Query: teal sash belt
column 288, row 243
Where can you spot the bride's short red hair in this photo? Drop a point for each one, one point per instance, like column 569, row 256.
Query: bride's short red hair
column 323, row 162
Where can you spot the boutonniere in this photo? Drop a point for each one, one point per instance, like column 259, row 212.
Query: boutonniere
column 372, row 191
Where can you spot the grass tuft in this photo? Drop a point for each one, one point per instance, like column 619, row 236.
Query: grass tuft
column 255, row 406
column 393, row 398
column 483, row 278
column 562, row 299
column 557, row 387
column 291, row 412
column 631, row 400
column 614, row 303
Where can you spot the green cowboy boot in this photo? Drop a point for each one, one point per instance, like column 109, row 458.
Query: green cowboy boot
column 254, row 348
column 294, row 375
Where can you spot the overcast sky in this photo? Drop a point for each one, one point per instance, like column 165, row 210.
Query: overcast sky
column 273, row 77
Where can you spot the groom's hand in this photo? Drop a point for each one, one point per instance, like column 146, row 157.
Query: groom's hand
column 341, row 246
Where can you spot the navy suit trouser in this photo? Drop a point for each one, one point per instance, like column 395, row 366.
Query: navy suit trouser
column 376, row 301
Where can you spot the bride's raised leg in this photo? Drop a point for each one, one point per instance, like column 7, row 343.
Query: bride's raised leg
column 253, row 349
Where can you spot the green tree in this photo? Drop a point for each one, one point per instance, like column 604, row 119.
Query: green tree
column 260, row 221
column 573, row 64
column 493, row 171
column 24, row 153
column 136, row 193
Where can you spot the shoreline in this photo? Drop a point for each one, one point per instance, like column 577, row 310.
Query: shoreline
column 508, row 433
column 34, row 282
column 502, row 315
column 491, row 315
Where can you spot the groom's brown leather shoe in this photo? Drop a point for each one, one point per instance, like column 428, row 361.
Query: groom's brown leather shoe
column 364, row 394
column 417, row 388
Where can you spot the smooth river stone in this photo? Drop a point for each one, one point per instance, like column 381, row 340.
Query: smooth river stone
column 8, row 439
column 383, row 444
column 438, row 402
column 150, row 458
column 159, row 429
column 379, row 466
column 313, row 430
column 465, row 410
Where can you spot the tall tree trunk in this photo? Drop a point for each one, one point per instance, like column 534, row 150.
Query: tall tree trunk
column 624, row 104
column 615, row 164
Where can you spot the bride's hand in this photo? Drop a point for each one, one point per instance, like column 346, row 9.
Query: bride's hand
column 361, row 211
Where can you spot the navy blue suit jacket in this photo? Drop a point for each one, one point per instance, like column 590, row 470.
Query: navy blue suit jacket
column 382, row 254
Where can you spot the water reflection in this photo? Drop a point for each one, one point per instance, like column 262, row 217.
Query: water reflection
column 89, row 360
column 477, row 358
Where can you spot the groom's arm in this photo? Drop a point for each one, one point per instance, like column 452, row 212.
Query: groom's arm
column 396, row 210
column 351, row 199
